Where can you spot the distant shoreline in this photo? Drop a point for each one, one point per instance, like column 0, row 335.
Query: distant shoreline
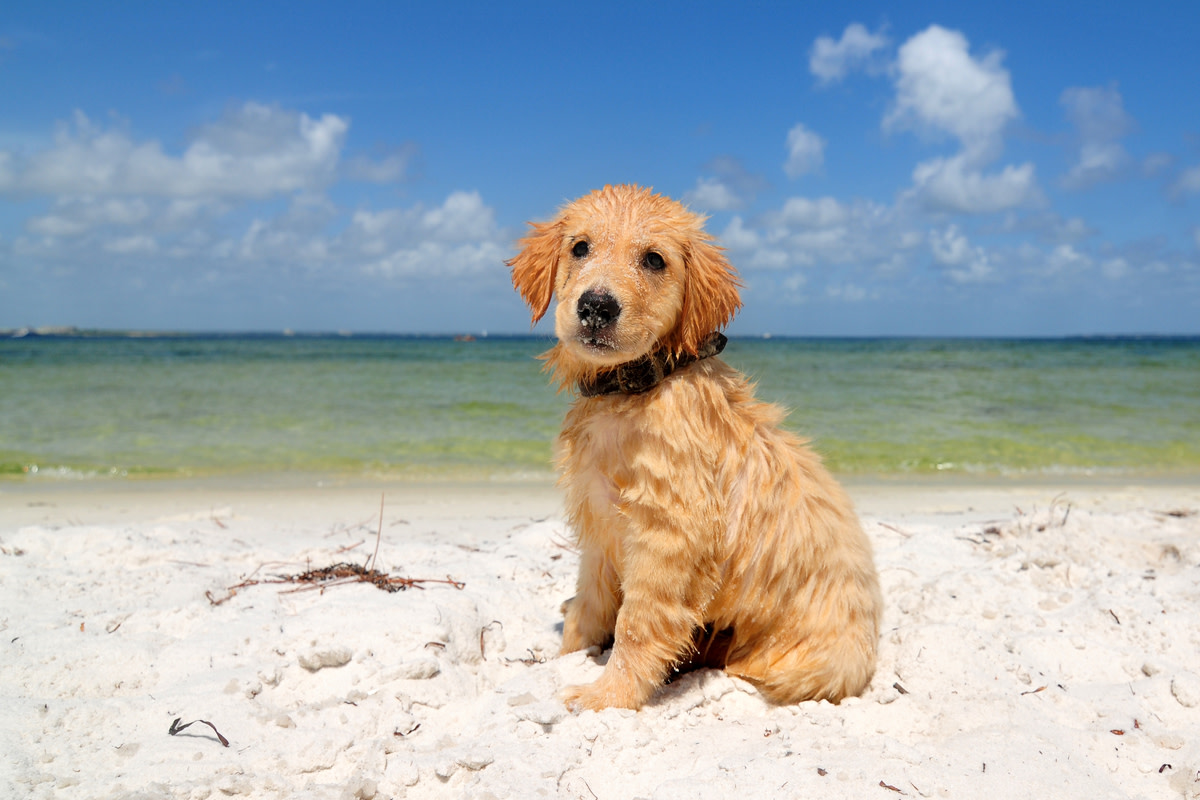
column 73, row 332
column 70, row 332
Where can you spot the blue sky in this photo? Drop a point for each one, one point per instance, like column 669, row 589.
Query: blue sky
column 872, row 169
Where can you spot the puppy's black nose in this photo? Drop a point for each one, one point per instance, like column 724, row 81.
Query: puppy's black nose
column 597, row 310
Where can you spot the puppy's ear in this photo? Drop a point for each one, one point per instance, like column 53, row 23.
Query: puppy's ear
column 710, row 293
column 533, row 269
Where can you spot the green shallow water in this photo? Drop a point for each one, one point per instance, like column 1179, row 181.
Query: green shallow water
column 84, row 407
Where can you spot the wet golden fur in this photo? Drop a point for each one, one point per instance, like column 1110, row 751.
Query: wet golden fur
column 706, row 533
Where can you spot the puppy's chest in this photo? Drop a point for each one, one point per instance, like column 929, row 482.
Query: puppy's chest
column 601, row 440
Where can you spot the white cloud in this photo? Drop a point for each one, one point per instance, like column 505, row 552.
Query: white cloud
column 1099, row 115
column 750, row 247
column 7, row 174
column 56, row 225
column 1065, row 258
column 831, row 61
column 462, row 217
column 712, row 194
column 819, row 233
column 1074, row 228
column 806, row 152
column 939, row 86
column 254, row 151
column 803, row 212
column 1115, row 268
column 963, row 262
column 137, row 245
column 1156, row 163
column 848, row 292
column 117, row 198
column 942, row 89
column 737, row 236
column 954, row 185
column 456, row 238
column 1048, row 226
column 77, row 216
column 275, row 241
column 437, row 260
column 897, row 264
column 1188, row 182
column 730, row 187
column 390, row 168
column 794, row 284
column 1066, row 265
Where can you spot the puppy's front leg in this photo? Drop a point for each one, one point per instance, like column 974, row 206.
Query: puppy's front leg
column 590, row 616
column 667, row 582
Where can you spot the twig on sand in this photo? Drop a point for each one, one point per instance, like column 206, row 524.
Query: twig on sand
column 347, row 528
column 341, row 573
column 336, row 575
column 176, row 728
column 561, row 542
column 399, row 734
column 378, row 533
column 484, row 630
column 530, row 661
column 905, row 534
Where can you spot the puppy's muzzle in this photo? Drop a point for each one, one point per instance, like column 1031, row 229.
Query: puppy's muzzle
column 597, row 310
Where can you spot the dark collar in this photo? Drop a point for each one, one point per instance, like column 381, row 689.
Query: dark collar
column 643, row 374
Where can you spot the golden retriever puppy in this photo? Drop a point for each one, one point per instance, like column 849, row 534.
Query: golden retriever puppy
column 706, row 533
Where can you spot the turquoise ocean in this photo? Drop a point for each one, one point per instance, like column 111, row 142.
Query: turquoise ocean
column 103, row 407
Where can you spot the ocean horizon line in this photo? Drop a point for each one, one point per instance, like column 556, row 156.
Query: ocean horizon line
column 74, row 332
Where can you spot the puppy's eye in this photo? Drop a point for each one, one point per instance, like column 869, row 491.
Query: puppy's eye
column 580, row 249
column 653, row 261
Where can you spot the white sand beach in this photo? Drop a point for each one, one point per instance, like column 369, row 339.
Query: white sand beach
column 1039, row 641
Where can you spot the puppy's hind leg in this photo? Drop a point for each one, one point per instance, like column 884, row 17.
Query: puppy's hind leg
column 830, row 664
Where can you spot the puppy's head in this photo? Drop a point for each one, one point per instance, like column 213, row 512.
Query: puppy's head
column 633, row 271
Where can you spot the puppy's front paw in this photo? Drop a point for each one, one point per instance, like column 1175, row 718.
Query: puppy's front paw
column 597, row 696
column 583, row 698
